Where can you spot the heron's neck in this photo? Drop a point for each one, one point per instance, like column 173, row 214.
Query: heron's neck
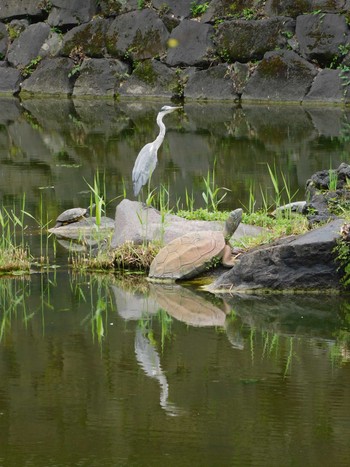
column 161, row 125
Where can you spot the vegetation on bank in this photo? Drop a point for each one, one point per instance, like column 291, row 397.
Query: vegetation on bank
column 16, row 258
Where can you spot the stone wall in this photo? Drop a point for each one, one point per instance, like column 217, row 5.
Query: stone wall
column 244, row 50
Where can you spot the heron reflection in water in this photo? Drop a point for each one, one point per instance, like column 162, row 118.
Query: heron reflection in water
column 146, row 161
column 148, row 358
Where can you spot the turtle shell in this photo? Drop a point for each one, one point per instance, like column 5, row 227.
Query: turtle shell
column 70, row 215
column 187, row 256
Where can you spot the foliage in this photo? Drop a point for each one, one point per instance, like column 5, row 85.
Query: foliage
column 28, row 70
column 198, row 9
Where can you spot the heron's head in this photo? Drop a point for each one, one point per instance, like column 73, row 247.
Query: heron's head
column 169, row 108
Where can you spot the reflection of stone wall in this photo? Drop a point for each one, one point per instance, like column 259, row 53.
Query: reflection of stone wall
column 60, row 144
column 280, row 51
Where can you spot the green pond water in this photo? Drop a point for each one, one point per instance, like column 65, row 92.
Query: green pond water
column 100, row 371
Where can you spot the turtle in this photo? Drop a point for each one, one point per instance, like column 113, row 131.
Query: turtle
column 187, row 256
column 71, row 215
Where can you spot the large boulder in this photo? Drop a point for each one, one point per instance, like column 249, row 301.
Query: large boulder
column 300, row 263
column 4, row 40
column 151, row 78
column 242, row 40
column 215, row 83
column 10, row 9
column 320, row 36
column 10, row 80
column 191, row 44
column 330, row 86
column 137, row 35
column 99, row 77
column 50, row 78
column 137, row 223
column 27, row 46
column 280, row 76
column 89, row 37
column 67, row 13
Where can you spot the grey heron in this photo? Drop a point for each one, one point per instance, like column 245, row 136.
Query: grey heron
column 146, row 160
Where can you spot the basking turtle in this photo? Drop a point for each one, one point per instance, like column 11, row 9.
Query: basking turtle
column 71, row 215
column 189, row 255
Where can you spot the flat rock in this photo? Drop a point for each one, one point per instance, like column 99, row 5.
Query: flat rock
column 305, row 263
column 331, row 86
column 178, row 8
column 137, row 35
column 10, row 80
column 85, row 230
column 65, row 13
column 10, row 9
column 135, row 222
column 150, row 78
column 27, row 46
column 192, row 44
column 50, row 78
column 320, row 36
column 243, row 41
column 216, row 83
column 89, row 37
column 99, row 77
column 281, row 76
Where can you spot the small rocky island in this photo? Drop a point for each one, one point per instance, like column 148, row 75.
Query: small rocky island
column 315, row 261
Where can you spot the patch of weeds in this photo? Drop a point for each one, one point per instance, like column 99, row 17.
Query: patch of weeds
column 28, row 70
column 135, row 257
column 77, row 54
column 248, row 13
column 13, row 32
column 198, row 9
column 45, row 5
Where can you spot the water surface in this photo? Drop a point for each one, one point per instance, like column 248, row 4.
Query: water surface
column 94, row 371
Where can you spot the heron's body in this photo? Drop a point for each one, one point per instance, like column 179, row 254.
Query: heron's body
column 146, row 160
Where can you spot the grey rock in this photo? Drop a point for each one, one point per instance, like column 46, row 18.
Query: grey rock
column 85, row 231
column 304, row 262
column 99, row 77
column 329, row 86
column 288, row 7
column 10, row 109
column 90, row 37
column 178, row 8
column 50, row 77
column 242, row 40
column 10, row 80
column 151, row 78
column 10, row 9
column 280, row 76
column 27, row 46
column 135, row 222
column 215, row 83
column 320, row 36
column 193, row 44
column 4, row 40
column 18, row 25
column 117, row 7
column 52, row 46
column 137, row 35
column 71, row 12
column 218, row 9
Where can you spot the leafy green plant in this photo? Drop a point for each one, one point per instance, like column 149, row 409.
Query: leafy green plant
column 198, row 9
column 212, row 195
column 28, row 70
column 74, row 71
column 248, row 13
column 333, row 179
